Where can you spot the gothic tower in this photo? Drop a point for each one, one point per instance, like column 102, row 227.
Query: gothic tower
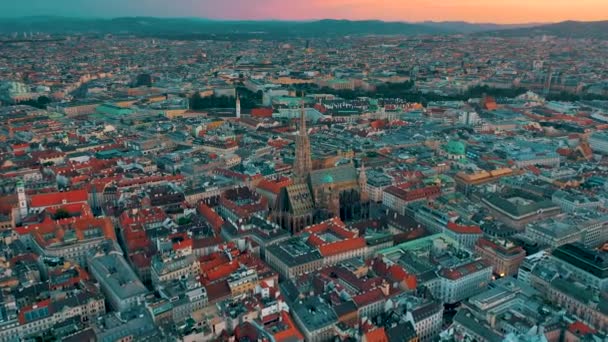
column 303, row 161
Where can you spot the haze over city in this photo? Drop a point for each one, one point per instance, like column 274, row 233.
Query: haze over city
column 479, row 11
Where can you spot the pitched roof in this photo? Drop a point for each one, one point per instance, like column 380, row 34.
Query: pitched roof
column 580, row 328
column 334, row 225
column 462, row 229
column 343, row 246
column 369, row 297
column 347, row 240
column 376, row 335
column 413, row 194
column 274, row 186
column 58, row 198
column 211, row 216
column 464, row 270
column 48, row 233
column 292, row 333
column 397, row 272
column 300, row 199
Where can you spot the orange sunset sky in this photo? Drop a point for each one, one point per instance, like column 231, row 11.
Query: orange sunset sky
column 497, row 11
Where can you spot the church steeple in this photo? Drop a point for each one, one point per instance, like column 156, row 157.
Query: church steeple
column 363, row 183
column 238, row 106
column 303, row 162
column 22, row 198
column 303, row 130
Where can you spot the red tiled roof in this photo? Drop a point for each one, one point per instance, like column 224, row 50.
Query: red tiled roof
column 563, row 152
column 217, row 266
column 376, row 335
column 207, row 242
column 335, row 225
column 58, row 198
column 127, row 182
column 464, row 270
column 586, row 150
column 274, row 186
column 580, row 328
column 343, row 246
column 394, row 273
column 138, row 244
column 235, row 175
column 397, row 272
column 462, row 229
column 245, row 210
column 246, row 332
column 261, row 112
column 535, row 170
column 142, row 216
column 7, row 203
column 58, row 229
column 221, row 271
column 413, row 194
column 140, row 260
column 278, row 143
column 37, row 155
column 211, row 216
column 483, row 242
column 368, row 298
column 217, row 291
column 348, row 239
column 23, row 257
column 182, row 245
column 291, row 333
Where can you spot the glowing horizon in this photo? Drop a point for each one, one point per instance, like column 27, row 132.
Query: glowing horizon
column 475, row 11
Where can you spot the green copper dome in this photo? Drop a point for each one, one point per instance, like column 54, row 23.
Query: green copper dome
column 456, row 148
column 328, row 178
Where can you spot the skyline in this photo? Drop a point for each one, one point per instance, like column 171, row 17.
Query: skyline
column 474, row 11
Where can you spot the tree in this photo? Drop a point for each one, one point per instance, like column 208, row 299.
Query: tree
column 479, row 91
column 41, row 102
column 182, row 221
column 61, row 213
column 195, row 100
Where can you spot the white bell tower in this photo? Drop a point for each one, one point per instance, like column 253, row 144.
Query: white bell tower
column 238, row 106
column 23, row 211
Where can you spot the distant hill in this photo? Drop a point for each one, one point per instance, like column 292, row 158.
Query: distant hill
column 181, row 26
column 566, row 29
column 464, row 27
column 194, row 27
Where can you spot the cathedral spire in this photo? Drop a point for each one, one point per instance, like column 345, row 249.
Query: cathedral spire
column 303, row 162
column 303, row 130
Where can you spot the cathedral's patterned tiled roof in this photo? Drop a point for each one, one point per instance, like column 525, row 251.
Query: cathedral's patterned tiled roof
column 300, row 199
